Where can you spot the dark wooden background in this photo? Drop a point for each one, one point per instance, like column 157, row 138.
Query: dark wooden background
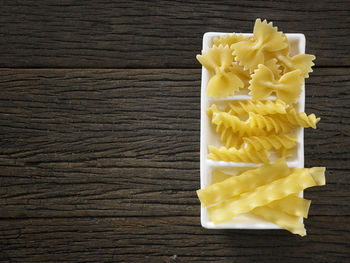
column 99, row 126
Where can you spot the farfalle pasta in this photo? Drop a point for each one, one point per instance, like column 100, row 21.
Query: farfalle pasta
column 227, row 77
column 251, row 53
column 287, row 88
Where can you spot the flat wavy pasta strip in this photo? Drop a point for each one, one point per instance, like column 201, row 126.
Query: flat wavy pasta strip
column 289, row 222
column 228, row 39
column 287, row 88
column 274, row 141
column 293, row 205
column 225, row 80
column 263, row 107
column 263, row 195
column 237, row 155
column 245, row 182
column 250, row 53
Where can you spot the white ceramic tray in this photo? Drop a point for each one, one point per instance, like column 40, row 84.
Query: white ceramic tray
column 209, row 137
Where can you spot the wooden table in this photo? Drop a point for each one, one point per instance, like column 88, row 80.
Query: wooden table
column 99, row 124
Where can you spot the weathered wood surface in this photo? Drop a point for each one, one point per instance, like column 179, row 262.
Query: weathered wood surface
column 156, row 34
column 167, row 240
column 103, row 165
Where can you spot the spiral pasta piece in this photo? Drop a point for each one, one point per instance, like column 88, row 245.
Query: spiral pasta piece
column 274, row 141
column 263, row 107
column 268, row 123
column 237, row 155
column 301, row 119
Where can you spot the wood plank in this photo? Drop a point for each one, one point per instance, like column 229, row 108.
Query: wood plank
column 157, row 34
column 168, row 239
column 126, row 142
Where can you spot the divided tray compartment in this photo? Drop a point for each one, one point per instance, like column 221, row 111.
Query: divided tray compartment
column 210, row 137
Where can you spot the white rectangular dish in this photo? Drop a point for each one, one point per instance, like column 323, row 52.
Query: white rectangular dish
column 209, row 137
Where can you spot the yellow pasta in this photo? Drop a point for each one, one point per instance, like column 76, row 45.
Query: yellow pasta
column 303, row 62
column 250, row 53
column 263, row 107
column 226, row 77
column 300, row 119
column 220, row 189
column 229, row 39
column 287, row 88
column 237, row 155
column 268, row 123
column 274, row 67
column 287, row 221
column 247, row 181
column 274, row 141
column 292, row 205
column 255, row 125
column 263, row 195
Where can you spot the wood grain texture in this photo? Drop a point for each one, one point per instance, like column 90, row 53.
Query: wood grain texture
column 156, row 34
column 126, row 142
column 167, row 239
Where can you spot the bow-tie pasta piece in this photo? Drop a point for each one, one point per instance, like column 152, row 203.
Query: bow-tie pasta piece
column 274, row 67
column 287, row 88
column 250, row 53
column 226, row 78
column 229, row 39
column 303, row 62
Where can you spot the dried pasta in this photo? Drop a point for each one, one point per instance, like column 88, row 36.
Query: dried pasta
column 274, row 141
column 250, row 53
column 278, row 217
column 303, row 62
column 293, row 205
column 226, row 79
column 255, row 125
column 263, row 107
column 237, row 155
column 247, row 181
column 263, row 195
column 229, row 39
column 300, row 119
column 287, row 88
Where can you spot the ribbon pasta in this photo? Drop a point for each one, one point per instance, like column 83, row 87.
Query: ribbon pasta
column 299, row 180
